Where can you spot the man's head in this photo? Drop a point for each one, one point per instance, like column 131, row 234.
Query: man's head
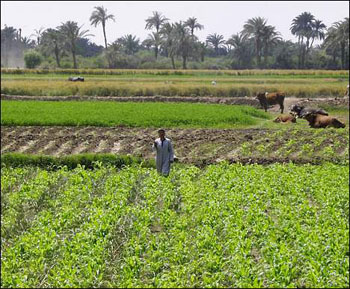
column 161, row 133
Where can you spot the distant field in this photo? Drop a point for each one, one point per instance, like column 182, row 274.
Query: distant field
column 260, row 72
column 174, row 83
column 75, row 113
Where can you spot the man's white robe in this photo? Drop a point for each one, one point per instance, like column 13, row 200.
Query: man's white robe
column 165, row 155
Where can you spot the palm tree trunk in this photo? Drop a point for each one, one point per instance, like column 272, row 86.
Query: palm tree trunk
column 57, row 56
column 173, row 62
column 184, row 62
column 74, row 58
column 258, row 56
column 265, row 55
column 342, row 47
column 104, row 34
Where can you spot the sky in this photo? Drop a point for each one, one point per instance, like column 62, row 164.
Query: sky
column 222, row 17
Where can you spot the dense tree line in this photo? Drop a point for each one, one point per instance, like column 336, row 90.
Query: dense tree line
column 175, row 45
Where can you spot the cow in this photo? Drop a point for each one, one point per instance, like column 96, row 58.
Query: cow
column 74, row 79
column 300, row 111
column 317, row 120
column 285, row 118
column 266, row 99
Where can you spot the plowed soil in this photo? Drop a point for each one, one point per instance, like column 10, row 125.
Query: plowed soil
column 196, row 146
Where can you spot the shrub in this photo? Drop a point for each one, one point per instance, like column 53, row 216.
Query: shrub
column 32, row 59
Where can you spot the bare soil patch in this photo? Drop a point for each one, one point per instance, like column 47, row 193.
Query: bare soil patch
column 195, row 146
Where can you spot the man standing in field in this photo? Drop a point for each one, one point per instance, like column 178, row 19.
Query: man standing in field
column 165, row 153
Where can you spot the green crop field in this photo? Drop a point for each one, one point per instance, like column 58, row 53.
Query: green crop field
column 128, row 114
column 224, row 226
column 297, row 83
column 83, row 206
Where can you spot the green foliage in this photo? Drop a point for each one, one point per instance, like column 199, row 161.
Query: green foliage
column 226, row 226
column 76, row 113
column 71, row 161
column 32, row 59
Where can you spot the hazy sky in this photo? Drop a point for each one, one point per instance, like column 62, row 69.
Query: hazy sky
column 223, row 17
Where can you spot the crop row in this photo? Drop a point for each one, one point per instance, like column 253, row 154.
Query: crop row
column 225, row 226
column 175, row 72
column 127, row 114
column 117, row 88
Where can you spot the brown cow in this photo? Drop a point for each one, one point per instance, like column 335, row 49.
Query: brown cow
column 286, row 118
column 317, row 120
column 266, row 99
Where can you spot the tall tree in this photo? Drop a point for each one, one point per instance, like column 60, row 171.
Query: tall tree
column 130, row 44
column 193, row 24
column 337, row 38
column 155, row 40
column 302, row 28
column 72, row 32
column 52, row 41
column 166, row 32
column 100, row 16
column 254, row 29
column 155, row 21
column 318, row 31
column 216, row 41
column 38, row 34
column 270, row 38
column 184, row 42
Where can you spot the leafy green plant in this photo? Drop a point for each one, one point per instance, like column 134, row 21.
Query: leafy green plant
column 227, row 225
column 32, row 59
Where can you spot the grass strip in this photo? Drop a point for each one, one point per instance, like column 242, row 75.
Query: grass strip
column 89, row 161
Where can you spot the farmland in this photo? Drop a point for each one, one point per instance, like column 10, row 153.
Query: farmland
column 132, row 228
column 250, row 202
column 75, row 113
column 172, row 83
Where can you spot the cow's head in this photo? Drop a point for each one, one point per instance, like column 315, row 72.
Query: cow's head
column 296, row 109
column 261, row 95
column 310, row 117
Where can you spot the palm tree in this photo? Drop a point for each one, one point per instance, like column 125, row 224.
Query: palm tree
column 130, row 44
column 302, row 28
column 330, row 44
column 238, row 42
column 38, row 34
column 27, row 43
column 270, row 37
column 71, row 32
column 254, row 29
column 202, row 48
column 166, row 32
column 216, row 41
column 338, row 38
column 193, row 24
column 100, row 15
column 155, row 39
column 112, row 54
column 156, row 21
column 183, row 43
column 318, row 29
column 52, row 41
